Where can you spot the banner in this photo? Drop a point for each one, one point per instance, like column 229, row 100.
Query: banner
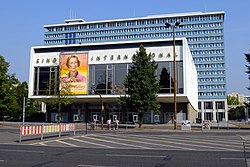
column 73, row 73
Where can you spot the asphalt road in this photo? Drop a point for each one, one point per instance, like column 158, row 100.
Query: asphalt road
column 127, row 149
column 43, row 156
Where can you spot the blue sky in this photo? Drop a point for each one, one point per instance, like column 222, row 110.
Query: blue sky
column 22, row 26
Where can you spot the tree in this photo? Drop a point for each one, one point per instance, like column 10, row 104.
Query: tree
column 237, row 113
column 60, row 97
column 231, row 100
column 8, row 82
column 142, row 84
column 248, row 66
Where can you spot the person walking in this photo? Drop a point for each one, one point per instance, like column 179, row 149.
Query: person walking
column 109, row 124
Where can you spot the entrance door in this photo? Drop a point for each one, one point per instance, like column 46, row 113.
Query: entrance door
column 168, row 117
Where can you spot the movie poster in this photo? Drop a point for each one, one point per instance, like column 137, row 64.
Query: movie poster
column 73, row 73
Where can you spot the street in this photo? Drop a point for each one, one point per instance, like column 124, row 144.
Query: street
column 33, row 156
column 127, row 148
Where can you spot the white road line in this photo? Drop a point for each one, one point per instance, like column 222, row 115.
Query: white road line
column 91, row 143
column 155, row 144
column 209, row 137
column 1, row 160
column 209, row 142
column 178, row 143
column 233, row 158
column 129, row 155
column 24, row 151
column 59, row 141
column 239, row 142
column 113, row 142
column 95, row 166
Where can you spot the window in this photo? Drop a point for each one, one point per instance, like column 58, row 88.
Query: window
column 108, row 78
column 208, row 105
column 46, row 81
column 165, row 75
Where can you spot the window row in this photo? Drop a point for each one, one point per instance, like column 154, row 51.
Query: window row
column 207, row 52
column 107, row 78
column 145, row 29
column 134, row 36
column 219, row 72
column 218, row 65
column 208, row 38
column 211, row 87
column 210, row 94
column 207, row 80
column 218, row 58
column 209, row 105
column 144, row 22
column 206, row 45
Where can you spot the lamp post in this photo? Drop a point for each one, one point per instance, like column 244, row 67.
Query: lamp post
column 102, row 107
column 173, row 26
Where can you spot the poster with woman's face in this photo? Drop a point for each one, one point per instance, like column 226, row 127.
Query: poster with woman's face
column 73, row 73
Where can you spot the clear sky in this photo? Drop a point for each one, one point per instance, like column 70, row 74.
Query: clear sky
column 21, row 26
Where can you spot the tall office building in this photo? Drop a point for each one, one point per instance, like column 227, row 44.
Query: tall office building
column 204, row 32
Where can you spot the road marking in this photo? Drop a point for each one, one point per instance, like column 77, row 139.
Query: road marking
column 59, row 141
column 113, row 142
column 1, row 160
column 25, row 151
column 151, row 143
column 95, row 166
column 179, row 143
column 213, row 143
column 91, row 143
column 233, row 158
column 205, row 140
column 141, row 156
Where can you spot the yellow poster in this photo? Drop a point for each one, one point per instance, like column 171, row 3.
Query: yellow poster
column 73, row 73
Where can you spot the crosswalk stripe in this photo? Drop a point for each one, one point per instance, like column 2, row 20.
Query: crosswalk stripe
column 97, row 144
column 178, row 143
column 59, row 141
column 155, row 144
column 108, row 141
column 203, row 142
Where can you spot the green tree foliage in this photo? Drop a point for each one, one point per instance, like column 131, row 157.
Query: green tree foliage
column 142, row 84
column 247, row 56
column 237, row 113
column 59, row 98
column 231, row 100
column 9, row 103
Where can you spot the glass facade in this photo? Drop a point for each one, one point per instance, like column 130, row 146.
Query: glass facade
column 107, row 78
column 204, row 33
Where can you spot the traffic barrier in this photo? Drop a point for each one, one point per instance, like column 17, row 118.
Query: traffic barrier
column 26, row 130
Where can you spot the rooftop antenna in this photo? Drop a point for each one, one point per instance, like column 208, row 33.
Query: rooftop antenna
column 205, row 6
column 70, row 13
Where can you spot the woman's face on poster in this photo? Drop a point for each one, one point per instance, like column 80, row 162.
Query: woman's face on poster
column 73, row 64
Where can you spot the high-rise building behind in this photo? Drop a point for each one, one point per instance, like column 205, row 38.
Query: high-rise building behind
column 203, row 31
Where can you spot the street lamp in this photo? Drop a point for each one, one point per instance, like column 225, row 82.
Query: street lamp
column 102, row 107
column 173, row 26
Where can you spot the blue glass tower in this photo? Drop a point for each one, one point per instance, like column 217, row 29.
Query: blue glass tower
column 203, row 31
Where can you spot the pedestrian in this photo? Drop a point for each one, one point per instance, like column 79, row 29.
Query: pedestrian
column 94, row 124
column 116, row 123
column 109, row 123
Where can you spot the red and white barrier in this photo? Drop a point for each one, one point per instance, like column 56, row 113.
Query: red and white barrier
column 45, row 129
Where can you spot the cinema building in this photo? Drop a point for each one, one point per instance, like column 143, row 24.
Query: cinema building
column 204, row 34
column 104, row 66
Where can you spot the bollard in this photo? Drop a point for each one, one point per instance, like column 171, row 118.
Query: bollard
column 42, row 131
